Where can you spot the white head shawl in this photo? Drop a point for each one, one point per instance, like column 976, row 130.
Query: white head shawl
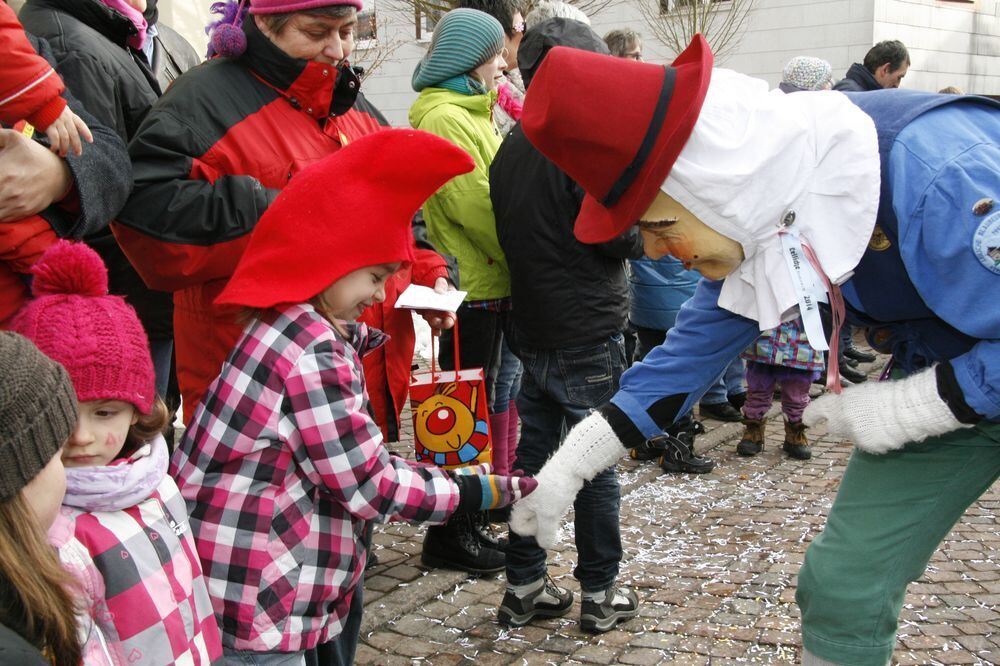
column 755, row 155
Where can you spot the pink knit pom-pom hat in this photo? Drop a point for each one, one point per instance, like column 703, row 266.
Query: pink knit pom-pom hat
column 95, row 336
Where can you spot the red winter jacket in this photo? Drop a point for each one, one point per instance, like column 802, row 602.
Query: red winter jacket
column 387, row 369
column 210, row 157
column 29, row 88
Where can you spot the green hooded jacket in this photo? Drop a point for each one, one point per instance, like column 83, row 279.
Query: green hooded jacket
column 460, row 215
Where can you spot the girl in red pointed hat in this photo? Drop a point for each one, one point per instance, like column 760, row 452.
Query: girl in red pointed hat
column 282, row 466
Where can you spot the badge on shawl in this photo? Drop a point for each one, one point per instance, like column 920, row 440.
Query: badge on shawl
column 879, row 241
column 986, row 243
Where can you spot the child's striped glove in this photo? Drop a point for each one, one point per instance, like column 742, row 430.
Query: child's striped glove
column 479, row 490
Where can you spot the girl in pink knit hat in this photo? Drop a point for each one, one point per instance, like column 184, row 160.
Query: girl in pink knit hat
column 123, row 527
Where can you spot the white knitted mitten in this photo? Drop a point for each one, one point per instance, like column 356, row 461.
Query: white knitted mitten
column 882, row 416
column 589, row 449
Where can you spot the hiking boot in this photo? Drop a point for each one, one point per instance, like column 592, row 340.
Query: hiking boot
column 546, row 600
column 796, row 445
column 852, row 375
column 720, row 412
column 488, row 535
column 616, row 605
column 679, row 456
column 752, row 441
column 458, row 545
column 850, row 351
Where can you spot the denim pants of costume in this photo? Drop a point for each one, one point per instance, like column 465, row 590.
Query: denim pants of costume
column 558, row 389
column 890, row 515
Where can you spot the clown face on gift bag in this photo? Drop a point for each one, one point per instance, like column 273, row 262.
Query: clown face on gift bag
column 450, row 421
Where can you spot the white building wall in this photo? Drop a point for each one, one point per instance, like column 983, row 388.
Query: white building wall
column 188, row 17
column 950, row 43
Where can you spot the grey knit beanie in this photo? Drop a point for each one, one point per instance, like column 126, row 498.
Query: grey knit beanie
column 463, row 40
column 806, row 73
column 37, row 412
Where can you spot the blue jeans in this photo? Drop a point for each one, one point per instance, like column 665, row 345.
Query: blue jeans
column 731, row 383
column 558, row 389
column 508, row 379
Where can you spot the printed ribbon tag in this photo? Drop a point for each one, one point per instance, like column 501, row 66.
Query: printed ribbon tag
column 810, row 289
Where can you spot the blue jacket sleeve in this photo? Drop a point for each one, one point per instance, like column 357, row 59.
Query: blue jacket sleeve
column 697, row 350
column 977, row 373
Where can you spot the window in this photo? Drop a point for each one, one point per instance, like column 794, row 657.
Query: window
column 671, row 5
column 426, row 17
column 366, row 35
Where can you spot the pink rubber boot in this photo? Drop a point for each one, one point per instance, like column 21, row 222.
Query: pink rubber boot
column 499, row 438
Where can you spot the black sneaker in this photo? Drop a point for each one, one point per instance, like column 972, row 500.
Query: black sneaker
column 619, row 604
column 679, row 457
column 720, row 412
column 651, row 449
column 549, row 600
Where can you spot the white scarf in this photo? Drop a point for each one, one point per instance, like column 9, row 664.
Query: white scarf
column 755, row 155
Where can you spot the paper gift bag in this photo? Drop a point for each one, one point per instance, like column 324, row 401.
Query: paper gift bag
column 450, row 417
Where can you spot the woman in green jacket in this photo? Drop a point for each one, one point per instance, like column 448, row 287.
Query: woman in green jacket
column 457, row 81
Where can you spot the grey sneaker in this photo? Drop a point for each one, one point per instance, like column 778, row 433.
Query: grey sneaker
column 549, row 600
column 619, row 604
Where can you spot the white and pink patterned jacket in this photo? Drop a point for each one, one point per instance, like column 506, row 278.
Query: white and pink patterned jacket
column 123, row 533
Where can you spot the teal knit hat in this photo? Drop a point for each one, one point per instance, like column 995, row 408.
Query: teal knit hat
column 463, row 40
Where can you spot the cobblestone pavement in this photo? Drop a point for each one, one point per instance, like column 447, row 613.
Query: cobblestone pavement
column 714, row 559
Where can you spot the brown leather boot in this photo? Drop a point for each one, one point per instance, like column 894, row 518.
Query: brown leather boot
column 752, row 441
column 796, row 445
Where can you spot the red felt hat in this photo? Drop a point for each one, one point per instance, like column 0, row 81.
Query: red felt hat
column 615, row 126
column 349, row 210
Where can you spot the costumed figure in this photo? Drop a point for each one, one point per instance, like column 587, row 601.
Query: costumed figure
column 774, row 198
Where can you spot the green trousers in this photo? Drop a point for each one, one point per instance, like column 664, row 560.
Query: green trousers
column 890, row 514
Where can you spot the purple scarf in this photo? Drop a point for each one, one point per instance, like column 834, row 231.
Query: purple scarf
column 117, row 487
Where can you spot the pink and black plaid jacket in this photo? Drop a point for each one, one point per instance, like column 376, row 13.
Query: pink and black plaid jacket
column 282, row 469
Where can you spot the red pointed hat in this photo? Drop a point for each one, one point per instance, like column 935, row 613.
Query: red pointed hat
column 349, row 210
column 615, row 126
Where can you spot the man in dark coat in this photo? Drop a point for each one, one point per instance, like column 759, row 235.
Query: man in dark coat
column 570, row 304
column 884, row 66
column 95, row 53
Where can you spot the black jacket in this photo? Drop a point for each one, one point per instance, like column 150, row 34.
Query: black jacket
column 564, row 293
column 102, row 174
column 118, row 86
column 857, row 79
column 15, row 650
column 89, row 41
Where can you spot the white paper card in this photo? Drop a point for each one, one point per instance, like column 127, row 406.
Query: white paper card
column 424, row 298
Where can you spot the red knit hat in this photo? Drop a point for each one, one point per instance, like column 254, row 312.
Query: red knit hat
column 349, row 210
column 619, row 151
column 96, row 337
